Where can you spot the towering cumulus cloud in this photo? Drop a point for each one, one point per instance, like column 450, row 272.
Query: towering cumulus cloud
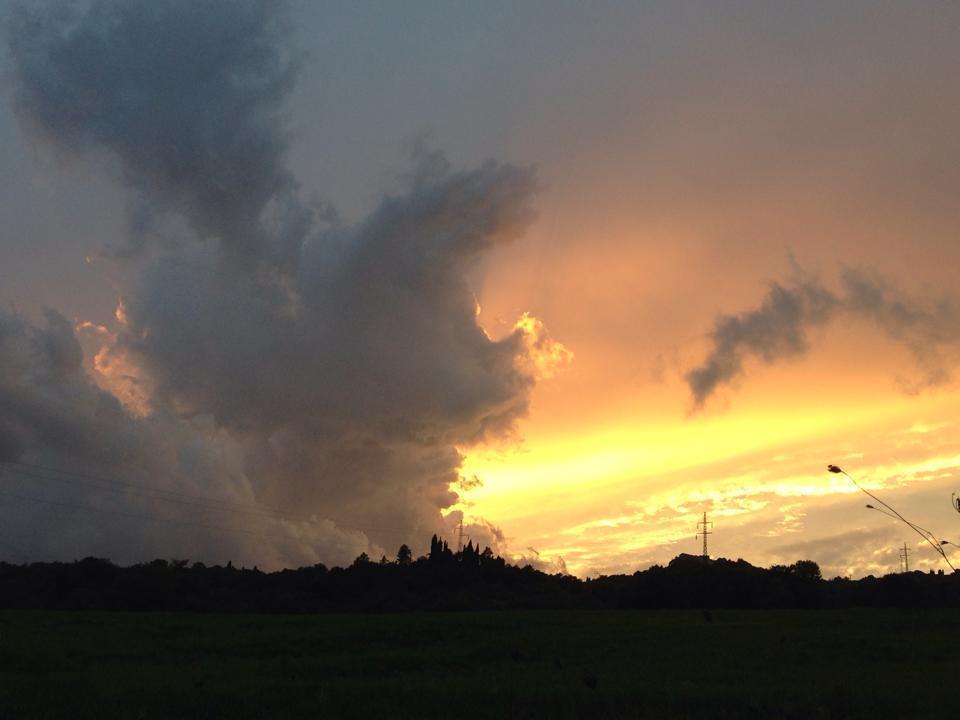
column 778, row 329
column 186, row 95
column 328, row 372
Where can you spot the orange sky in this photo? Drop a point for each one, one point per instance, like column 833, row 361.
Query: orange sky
column 689, row 155
column 618, row 497
column 614, row 431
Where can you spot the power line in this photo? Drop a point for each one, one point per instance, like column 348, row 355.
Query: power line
column 154, row 494
column 146, row 491
column 67, row 477
column 135, row 516
column 120, row 513
column 106, row 483
column 8, row 541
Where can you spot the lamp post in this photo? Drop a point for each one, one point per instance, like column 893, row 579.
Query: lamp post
column 889, row 511
column 923, row 531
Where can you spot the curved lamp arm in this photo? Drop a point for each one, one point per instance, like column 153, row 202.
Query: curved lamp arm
column 928, row 536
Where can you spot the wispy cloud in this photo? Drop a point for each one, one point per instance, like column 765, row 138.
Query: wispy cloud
column 779, row 328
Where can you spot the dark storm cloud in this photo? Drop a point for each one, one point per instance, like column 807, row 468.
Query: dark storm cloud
column 779, row 328
column 185, row 94
column 132, row 488
column 351, row 382
column 342, row 368
column 775, row 330
column 44, row 394
column 377, row 329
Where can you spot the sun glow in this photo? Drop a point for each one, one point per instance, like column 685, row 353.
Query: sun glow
column 635, row 489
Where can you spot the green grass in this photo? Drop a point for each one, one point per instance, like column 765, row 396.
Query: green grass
column 762, row 664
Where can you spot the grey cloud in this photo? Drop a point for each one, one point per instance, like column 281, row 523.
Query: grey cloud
column 131, row 488
column 342, row 367
column 779, row 328
column 865, row 550
column 184, row 94
column 352, row 382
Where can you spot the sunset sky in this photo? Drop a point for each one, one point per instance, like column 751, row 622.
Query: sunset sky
column 612, row 264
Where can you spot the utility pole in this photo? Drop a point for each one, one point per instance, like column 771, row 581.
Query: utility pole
column 702, row 529
column 460, row 536
column 905, row 559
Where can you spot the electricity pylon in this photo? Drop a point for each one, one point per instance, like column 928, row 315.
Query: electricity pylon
column 702, row 529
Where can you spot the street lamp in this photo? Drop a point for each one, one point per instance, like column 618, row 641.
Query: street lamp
column 925, row 534
column 889, row 511
column 923, row 530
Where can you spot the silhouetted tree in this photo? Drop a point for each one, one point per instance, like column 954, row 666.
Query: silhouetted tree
column 802, row 569
column 481, row 580
column 470, row 556
column 807, row 570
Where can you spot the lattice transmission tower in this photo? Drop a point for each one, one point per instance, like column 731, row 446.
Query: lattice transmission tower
column 905, row 559
column 703, row 528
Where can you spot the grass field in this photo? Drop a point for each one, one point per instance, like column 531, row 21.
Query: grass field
column 677, row 664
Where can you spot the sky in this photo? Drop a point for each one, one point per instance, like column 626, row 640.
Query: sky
column 286, row 282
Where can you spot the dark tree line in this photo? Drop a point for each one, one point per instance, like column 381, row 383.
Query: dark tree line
column 447, row 580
